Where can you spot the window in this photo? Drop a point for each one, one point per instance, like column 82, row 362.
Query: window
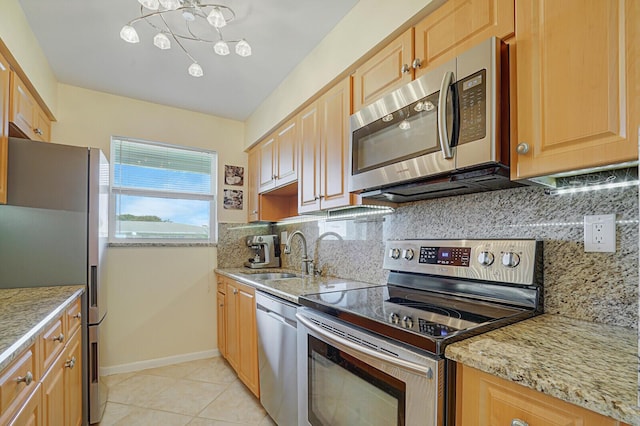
column 161, row 193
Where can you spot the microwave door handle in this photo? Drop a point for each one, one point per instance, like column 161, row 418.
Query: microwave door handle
column 445, row 143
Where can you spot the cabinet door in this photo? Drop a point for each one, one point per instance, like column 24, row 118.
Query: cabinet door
column 384, row 72
column 232, row 325
column 267, row 152
column 458, row 25
column 253, row 176
column 4, row 126
column 334, row 156
column 53, row 394
column 286, row 160
column 309, row 160
column 41, row 125
column 73, row 379
column 577, row 79
column 30, row 413
column 222, row 327
column 248, row 371
column 483, row 400
column 22, row 106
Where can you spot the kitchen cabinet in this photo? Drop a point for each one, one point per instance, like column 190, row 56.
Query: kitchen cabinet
column 484, row 399
column 222, row 319
column 577, row 85
column 324, row 151
column 25, row 113
column 241, row 333
column 451, row 29
column 18, row 381
column 4, row 126
column 253, row 198
column 30, row 412
column 277, row 158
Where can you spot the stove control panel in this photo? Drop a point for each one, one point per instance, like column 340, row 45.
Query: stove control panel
column 510, row 261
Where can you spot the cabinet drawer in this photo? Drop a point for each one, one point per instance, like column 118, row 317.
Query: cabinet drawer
column 221, row 285
column 53, row 340
column 18, row 380
column 74, row 317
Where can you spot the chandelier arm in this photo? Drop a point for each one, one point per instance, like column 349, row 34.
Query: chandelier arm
column 173, row 35
column 200, row 39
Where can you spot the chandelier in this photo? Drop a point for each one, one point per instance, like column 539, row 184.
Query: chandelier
column 186, row 20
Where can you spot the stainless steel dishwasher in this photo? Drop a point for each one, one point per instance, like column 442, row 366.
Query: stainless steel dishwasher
column 277, row 354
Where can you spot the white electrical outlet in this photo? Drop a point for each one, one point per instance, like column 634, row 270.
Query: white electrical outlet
column 283, row 237
column 600, row 233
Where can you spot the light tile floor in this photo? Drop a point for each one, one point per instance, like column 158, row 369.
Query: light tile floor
column 204, row 393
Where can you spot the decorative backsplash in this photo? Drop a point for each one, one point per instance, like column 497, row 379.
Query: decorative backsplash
column 598, row 287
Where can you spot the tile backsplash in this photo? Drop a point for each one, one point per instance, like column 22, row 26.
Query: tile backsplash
column 598, row 287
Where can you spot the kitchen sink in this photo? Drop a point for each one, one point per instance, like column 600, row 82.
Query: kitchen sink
column 273, row 276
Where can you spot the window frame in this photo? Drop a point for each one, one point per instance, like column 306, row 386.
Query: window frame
column 211, row 198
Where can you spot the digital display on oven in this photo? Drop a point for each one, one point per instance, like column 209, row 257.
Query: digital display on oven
column 450, row 256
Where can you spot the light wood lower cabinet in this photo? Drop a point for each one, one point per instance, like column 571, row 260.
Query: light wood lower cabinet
column 486, row 400
column 4, row 126
column 30, row 413
column 241, row 333
column 222, row 318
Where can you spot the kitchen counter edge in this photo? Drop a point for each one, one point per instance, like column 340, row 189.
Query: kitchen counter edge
column 594, row 366
column 20, row 326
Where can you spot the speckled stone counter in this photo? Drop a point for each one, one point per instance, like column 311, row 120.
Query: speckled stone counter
column 291, row 288
column 591, row 365
column 25, row 312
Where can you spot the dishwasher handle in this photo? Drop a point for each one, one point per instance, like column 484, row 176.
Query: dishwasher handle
column 275, row 316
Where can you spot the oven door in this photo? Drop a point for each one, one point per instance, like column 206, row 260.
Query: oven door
column 343, row 382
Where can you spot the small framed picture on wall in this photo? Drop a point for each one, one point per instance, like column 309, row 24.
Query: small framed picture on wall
column 234, row 175
column 233, row 199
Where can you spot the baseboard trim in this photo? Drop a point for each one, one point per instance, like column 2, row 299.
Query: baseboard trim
column 157, row 362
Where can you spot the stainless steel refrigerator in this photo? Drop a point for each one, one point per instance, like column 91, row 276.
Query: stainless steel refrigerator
column 54, row 231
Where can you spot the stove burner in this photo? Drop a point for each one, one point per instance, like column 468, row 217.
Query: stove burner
column 424, row 307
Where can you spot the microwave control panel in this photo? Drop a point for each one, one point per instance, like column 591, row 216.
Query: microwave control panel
column 472, row 96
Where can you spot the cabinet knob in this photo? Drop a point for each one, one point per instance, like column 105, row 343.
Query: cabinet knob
column 27, row 379
column 316, row 198
column 59, row 338
column 254, row 212
column 37, row 131
column 417, row 63
column 522, row 148
column 70, row 363
column 518, row 422
column 405, row 68
column 77, row 316
column 235, row 291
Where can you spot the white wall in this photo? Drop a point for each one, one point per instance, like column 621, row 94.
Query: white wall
column 366, row 25
column 161, row 300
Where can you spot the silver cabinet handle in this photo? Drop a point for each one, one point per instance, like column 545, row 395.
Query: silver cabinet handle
column 417, row 63
column 27, row 379
column 522, row 148
column 59, row 338
column 70, row 363
column 518, row 422
column 235, row 291
column 254, row 212
column 445, row 144
column 77, row 316
column 405, row 68
column 37, row 131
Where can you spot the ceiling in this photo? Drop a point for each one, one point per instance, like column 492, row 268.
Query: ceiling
column 81, row 41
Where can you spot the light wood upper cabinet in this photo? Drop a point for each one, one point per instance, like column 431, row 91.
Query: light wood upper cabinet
column 253, row 176
column 324, row 151
column 5, row 90
column 277, row 161
column 483, row 400
column 577, row 85
column 459, row 25
column 26, row 114
column 389, row 69
column 451, row 29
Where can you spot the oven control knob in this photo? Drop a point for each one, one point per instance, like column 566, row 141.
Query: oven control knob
column 510, row 259
column 408, row 254
column 394, row 253
column 394, row 318
column 485, row 258
column 407, row 321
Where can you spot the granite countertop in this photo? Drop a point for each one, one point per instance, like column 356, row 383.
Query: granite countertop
column 25, row 312
column 291, row 288
column 591, row 365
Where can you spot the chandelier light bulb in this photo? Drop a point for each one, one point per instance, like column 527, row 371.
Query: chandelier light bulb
column 404, row 125
column 129, row 34
column 195, row 70
column 170, row 4
column 150, row 4
column 162, row 41
column 221, row 48
column 243, row 49
column 216, row 18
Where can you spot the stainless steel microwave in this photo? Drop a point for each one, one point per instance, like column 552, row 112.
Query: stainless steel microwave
column 444, row 133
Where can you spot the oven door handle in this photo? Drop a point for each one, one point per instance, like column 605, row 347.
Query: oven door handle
column 341, row 341
column 445, row 142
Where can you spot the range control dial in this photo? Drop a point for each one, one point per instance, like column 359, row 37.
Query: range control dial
column 407, row 321
column 510, row 259
column 394, row 318
column 394, row 253
column 485, row 258
column 408, row 254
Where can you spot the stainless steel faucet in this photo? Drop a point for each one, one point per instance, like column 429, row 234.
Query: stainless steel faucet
column 307, row 266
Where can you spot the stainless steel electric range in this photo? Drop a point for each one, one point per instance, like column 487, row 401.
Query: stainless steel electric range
column 376, row 355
